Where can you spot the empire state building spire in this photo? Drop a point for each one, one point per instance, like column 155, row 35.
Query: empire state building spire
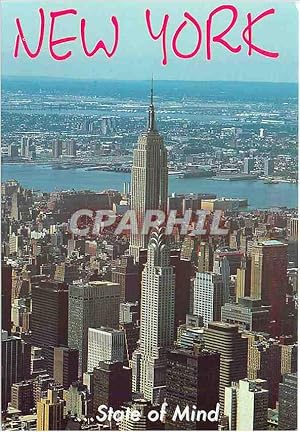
column 151, row 111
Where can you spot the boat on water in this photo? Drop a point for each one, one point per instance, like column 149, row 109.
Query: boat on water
column 271, row 181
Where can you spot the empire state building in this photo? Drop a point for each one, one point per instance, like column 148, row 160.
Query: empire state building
column 149, row 179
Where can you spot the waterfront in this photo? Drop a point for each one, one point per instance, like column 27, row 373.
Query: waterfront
column 44, row 178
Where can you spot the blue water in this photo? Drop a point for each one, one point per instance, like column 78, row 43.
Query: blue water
column 44, row 178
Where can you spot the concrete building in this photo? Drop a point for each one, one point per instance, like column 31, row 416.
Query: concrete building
column 92, row 304
column 105, row 344
column 246, row 405
column 65, row 365
column 287, row 411
column 249, row 314
column 227, row 340
column 50, row 412
column 208, row 296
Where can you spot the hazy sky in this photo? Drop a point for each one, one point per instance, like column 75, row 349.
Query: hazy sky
column 138, row 55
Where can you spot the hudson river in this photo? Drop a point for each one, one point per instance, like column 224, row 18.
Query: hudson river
column 44, row 178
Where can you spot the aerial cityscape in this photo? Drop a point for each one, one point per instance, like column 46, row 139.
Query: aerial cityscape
column 188, row 325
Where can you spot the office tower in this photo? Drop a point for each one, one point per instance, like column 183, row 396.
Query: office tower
column 6, row 292
column 71, row 148
column 289, row 354
column 192, row 379
column 269, row 278
column 243, row 278
column 293, row 229
column 78, row 400
column 126, row 273
column 246, row 405
column 93, row 304
column 234, row 257
column 208, row 296
column 183, row 269
column 57, row 149
column 13, row 151
column 287, row 409
column 22, row 396
column 49, row 322
column 111, row 385
column 129, row 324
column 221, row 267
column 248, row 165
column 15, row 355
column 268, row 167
column 24, row 141
column 65, row 365
column 41, row 384
column 149, row 179
column 249, row 314
column 157, row 319
column 50, row 412
column 228, row 341
column 105, row 344
column 264, row 361
column 128, row 312
column 205, row 257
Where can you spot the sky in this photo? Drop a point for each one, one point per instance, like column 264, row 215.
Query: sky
column 138, row 55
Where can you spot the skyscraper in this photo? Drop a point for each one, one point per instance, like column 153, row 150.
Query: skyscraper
column 287, row 411
column 157, row 319
column 6, row 291
column 92, row 304
column 105, row 344
column 15, row 364
column 269, row 277
column 149, row 178
column 246, row 405
column 49, row 317
column 192, row 379
column 126, row 273
column 112, row 385
column 227, row 340
column 50, row 412
column 208, row 296
column 65, row 365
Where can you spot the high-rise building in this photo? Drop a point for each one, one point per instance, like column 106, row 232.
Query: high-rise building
column 268, row 167
column 246, row 405
column 248, row 165
column 249, row 314
column 208, row 296
column 71, row 148
column 78, row 400
column 192, row 380
column 22, row 396
column 228, row 341
column 143, row 407
column 287, row 409
column 205, row 257
column 111, row 385
column 126, row 273
column 49, row 319
column 50, row 412
column 65, row 365
column 243, row 278
column 157, row 319
column 269, row 278
column 149, row 179
column 264, row 361
column 57, row 149
column 92, row 304
column 6, row 292
column 13, row 151
column 15, row 364
column 105, row 344
column 293, row 229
